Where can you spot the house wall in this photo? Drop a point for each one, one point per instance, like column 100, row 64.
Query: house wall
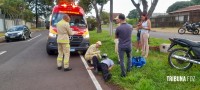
column 176, row 19
column 9, row 23
column 165, row 21
column 1, row 25
column 195, row 16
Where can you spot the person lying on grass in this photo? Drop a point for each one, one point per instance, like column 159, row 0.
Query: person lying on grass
column 105, row 66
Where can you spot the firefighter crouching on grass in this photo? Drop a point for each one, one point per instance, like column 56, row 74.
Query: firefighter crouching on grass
column 64, row 31
column 93, row 52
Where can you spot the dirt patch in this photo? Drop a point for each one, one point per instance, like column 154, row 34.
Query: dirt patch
column 155, row 48
column 114, row 86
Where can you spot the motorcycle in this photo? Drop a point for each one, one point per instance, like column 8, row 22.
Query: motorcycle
column 185, row 55
column 189, row 27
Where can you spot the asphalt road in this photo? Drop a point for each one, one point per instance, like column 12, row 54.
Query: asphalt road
column 165, row 35
column 25, row 65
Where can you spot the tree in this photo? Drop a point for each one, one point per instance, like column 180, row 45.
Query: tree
column 16, row 9
column 86, row 5
column 44, row 7
column 98, row 11
column 133, row 14
column 40, row 7
column 145, row 6
column 178, row 5
column 195, row 2
column 105, row 17
column 28, row 15
column 11, row 8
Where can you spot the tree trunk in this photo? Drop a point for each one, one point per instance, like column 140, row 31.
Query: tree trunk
column 98, row 19
column 4, row 23
column 145, row 6
column 153, row 6
column 137, row 7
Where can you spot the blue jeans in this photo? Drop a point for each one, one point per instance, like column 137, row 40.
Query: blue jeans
column 121, row 56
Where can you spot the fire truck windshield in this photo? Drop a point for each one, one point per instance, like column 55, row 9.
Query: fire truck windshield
column 76, row 20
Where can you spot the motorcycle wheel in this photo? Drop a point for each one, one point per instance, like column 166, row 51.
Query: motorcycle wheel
column 196, row 32
column 181, row 30
column 177, row 63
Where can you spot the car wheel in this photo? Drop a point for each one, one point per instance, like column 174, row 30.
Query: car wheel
column 49, row 52
column 24, row 37
column 30, row 35
column 7, row 40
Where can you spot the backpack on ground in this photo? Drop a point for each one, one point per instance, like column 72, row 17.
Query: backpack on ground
column 138, row 61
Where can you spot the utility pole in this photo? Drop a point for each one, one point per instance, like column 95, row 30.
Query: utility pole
column 36, row 21
column 111, row 17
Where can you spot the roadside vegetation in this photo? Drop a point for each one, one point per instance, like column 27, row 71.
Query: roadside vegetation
column 38, row 29
column 1, row 34
column 152, row 76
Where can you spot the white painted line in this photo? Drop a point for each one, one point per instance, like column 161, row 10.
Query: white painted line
column 94, row 80
column 2, row 52
column 34, row 37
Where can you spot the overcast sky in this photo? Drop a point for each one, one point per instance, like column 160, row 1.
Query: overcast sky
column 124, row 6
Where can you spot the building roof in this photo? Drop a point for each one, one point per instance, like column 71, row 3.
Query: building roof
column 158, row 14
column 187, row 9
column 115, row 15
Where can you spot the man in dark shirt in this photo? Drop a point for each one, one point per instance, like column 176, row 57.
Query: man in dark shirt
column 123, row 33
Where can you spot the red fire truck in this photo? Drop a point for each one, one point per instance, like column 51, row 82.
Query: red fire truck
column 78, row 23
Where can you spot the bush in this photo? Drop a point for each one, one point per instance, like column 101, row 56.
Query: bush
column 92, row 24
column 132, row 22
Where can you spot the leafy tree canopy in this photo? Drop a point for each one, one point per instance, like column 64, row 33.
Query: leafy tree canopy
column 179, row 5
column 133, row 14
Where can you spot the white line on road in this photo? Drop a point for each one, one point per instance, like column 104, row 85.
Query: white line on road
column 94, row 80
column 2, row 52
column 34, row 37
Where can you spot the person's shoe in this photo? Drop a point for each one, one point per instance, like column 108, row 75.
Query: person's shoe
column 108, row 77
column 145, row 56
column 67, row 69
column 128, row 70
column 137, row 51
column 123, row 75
column 96, row 71
column 118, row 62
column 59, row 68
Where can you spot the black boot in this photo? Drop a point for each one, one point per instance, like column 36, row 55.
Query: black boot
column 59, row 68
column 67, row 69
column 107, row 77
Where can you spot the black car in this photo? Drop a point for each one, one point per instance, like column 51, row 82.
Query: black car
column 19, row 32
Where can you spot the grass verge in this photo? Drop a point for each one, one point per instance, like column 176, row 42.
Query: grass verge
column 1, row 34
column 153, row 76
column 38, row 29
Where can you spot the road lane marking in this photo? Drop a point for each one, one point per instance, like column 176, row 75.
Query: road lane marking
column 94, row 80
column 2, row 52
column 34, row 37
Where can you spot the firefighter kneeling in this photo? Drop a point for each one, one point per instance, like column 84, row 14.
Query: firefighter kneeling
column 105, row 65
column 92, row 51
